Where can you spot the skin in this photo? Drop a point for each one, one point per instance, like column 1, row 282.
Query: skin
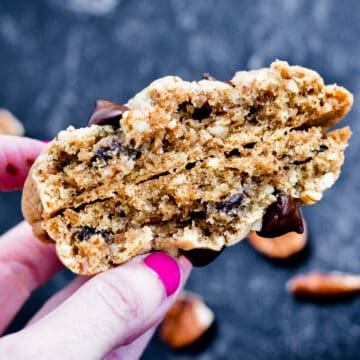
column 111, row 315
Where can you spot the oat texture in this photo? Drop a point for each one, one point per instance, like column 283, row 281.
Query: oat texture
column 190, row 165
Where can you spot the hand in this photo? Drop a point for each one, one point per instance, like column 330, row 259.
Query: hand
column 111, row 315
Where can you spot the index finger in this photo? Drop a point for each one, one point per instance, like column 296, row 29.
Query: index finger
column 17, row 154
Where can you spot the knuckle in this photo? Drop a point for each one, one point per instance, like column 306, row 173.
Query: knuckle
column 119, row 296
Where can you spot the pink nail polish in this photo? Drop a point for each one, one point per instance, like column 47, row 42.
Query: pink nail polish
column 167, row 269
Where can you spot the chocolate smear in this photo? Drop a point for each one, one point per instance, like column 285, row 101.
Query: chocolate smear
column 201, row 257
column 107, row 113
column 282, row 217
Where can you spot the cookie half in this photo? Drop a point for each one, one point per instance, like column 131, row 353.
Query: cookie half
column 185, row 166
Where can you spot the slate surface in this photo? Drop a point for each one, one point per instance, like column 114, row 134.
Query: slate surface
column 58, row 56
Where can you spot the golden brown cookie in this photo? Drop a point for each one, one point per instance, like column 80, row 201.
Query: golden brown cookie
column 189, row 165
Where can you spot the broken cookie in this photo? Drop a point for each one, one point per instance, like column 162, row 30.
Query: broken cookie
column 188, row 166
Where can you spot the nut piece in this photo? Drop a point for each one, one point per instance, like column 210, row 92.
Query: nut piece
column 324, row 285
column 310, row 197
column 280, row 247
column 9, row 124
column 187, row 320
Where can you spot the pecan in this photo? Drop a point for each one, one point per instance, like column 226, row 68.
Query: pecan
column 280, row 247
column 9, row 124
column 186, row 322
column 324, row 284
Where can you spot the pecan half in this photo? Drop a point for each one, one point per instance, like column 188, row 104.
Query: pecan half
column 324, row 284
column 186, row 322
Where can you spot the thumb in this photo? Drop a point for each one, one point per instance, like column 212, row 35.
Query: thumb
column 110, row 310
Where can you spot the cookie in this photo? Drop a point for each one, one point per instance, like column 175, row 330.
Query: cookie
column 187, row 166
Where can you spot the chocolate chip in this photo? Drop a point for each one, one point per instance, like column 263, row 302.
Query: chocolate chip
column 249, row 145
column 86, row 233
column 104, row 154
column 117, row 147
column 282, row 217
column 187, row 108
column 231, row 205
column 322, row 148
column 253, row 110
column 107, row 113
column 201, row 257
column 202, row 112
column 233, row 152
column 11, row 169
column 300, row 162
column 197, row 215
column 190, row 165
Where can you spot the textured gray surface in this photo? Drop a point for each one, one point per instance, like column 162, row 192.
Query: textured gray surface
column 58, row 56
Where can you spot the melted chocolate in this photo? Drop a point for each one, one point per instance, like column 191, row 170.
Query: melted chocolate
column 282, row 217
column 201, row 257
column 107, row 113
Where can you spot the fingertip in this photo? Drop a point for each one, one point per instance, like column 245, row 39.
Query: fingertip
column 167, row 269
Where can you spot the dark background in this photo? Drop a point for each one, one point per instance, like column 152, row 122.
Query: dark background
column 58, row 56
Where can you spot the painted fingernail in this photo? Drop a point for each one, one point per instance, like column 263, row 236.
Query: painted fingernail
column 45, row 141
column 167, row 269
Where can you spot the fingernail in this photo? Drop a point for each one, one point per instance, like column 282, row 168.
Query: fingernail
column 45, row 141
column 167, row 269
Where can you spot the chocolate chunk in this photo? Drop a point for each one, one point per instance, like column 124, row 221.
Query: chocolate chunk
column 187, row 108
column 201, row 215
column 249, row 145
column 253, row 110
column 322, row 148
column 233, row 152
column 117, row 147
column 107, row 113
column 282, row 217
column 300, row 162
column 86, row 233
column 202, row 112
column 231, row 205
column 190, row 165
column 201, row 257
